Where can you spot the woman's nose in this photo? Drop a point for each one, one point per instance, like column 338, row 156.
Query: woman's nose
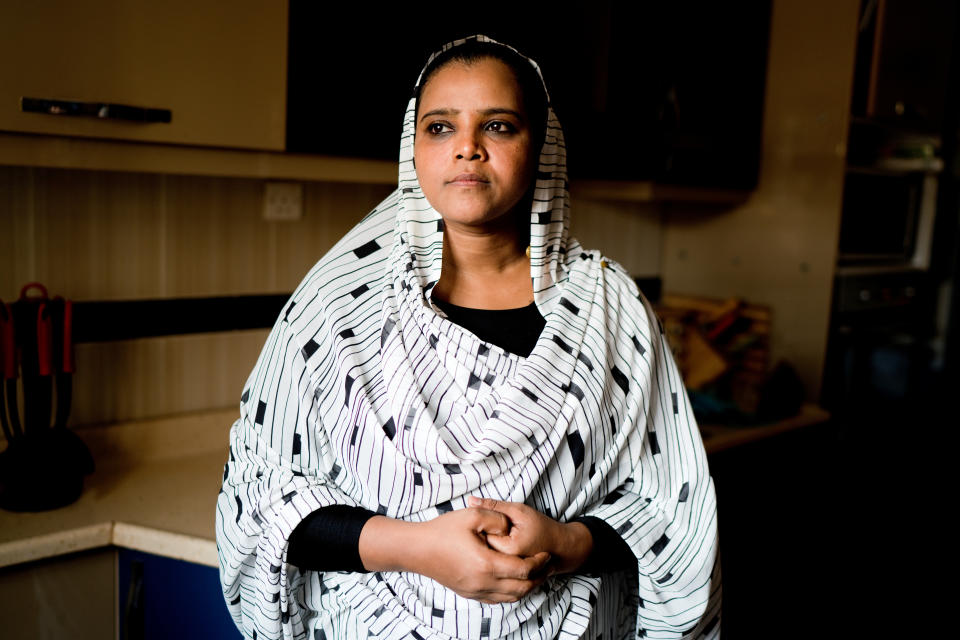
column 469, row 147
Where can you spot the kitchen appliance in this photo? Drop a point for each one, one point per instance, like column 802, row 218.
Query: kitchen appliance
column 888, row 216
column 884, row 296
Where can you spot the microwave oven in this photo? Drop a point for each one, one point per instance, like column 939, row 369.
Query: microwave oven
column 887, row 217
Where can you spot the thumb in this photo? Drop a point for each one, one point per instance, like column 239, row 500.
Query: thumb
column 539, row 564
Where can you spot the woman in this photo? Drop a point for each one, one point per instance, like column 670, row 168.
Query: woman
column 463, row 421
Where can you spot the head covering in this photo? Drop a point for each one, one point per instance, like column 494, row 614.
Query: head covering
column 421, row 226
column 367, row 395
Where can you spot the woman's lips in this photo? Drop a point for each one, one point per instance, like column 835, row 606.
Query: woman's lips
column 468, row 180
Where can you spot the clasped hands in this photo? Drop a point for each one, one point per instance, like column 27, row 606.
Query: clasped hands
column 493, row 551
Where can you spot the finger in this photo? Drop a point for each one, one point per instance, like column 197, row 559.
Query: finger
column 516, row 589
column 514, row 544
column 513, row 594
column 505, row 590
column 539, row 565
column 503, row 544
column 491, row 522
column 484, row 503
column 511, row 567
column 516, row 511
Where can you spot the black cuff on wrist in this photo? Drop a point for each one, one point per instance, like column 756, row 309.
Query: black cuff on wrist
column 329, row 539
column 610, row 552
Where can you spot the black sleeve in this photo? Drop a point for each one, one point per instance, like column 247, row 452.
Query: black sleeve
column 610, row 552
column 329, row 539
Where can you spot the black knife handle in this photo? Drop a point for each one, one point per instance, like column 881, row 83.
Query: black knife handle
column 13, row 411
column 7, row 433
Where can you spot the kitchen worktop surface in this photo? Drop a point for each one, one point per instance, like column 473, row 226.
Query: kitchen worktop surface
column 147, row 493
column 156, row 483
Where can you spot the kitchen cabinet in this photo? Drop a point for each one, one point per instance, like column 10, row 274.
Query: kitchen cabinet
column 671, row 93
column 88, row 595
column 903, row 63
column 218, row 68
column 170, row 599
column 658, row 105
column 71, row 596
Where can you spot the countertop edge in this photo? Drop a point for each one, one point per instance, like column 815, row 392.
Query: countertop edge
column 178, row 546
column 104, row 534
column 56, row 544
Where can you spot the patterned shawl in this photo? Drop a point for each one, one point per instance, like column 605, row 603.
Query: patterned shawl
column 366, row 394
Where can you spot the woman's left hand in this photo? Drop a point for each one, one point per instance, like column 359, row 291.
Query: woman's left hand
column 531, row 532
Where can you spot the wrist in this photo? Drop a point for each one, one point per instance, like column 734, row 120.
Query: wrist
column 576, row 544
column 387, row 544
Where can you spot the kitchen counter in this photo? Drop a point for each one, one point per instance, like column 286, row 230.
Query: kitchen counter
column 718, row 437
column 146, row 494
column 149, row 495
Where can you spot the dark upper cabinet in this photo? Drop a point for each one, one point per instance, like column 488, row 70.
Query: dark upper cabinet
column 671, row 92
column 903, row 62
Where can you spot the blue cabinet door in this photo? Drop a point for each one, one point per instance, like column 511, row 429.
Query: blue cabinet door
column 162, row 598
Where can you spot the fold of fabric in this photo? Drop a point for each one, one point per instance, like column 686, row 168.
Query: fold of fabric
column 365, row 394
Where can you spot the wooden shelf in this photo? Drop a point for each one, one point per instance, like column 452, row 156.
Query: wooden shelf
column 109, row 155
column 649, row 191
column 55, row 152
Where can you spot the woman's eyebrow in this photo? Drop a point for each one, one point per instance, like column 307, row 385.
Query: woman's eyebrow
column 486, row 112
column 502, row 110
column 439, row 112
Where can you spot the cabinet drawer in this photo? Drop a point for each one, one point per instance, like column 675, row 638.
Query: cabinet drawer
column 219, row 68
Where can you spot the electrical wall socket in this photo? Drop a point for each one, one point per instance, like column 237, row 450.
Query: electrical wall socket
column 283, row 201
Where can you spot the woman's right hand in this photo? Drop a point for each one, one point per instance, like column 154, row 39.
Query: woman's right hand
column 452, row 549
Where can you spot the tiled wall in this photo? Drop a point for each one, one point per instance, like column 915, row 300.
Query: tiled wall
column 94, row 235
column 97, row 235
column 90, row 235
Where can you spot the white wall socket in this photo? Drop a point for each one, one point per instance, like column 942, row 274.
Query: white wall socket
column 283, row 201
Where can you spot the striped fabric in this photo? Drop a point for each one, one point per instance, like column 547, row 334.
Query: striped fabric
column 366, row 394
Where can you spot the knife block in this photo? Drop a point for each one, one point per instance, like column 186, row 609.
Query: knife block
column 43, row 470
column 44, row 463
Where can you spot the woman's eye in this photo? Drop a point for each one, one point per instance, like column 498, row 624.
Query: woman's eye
column 437, row 128
column 498, row 126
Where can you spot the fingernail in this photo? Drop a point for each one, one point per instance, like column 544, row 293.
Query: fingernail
column 473, row 500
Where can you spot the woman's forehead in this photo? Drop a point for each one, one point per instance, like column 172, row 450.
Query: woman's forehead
column 471, row 85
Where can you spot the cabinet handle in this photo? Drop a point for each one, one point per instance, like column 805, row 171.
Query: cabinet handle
column 133, row 626
column 101, row 110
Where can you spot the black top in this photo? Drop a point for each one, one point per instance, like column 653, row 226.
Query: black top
column 513, row 330
column 329, row 538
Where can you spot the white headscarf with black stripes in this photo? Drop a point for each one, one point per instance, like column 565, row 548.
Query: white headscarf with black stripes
column 366, row 394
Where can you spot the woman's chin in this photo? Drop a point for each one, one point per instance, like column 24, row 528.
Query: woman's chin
column 477, row 217
column 471, row 220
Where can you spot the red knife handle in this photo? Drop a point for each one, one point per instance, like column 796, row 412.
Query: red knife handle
column 33, row 285
column 69, row 366
column 44, row 341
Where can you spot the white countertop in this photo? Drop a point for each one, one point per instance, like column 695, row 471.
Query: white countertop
column 152, row 499
column 156, row 483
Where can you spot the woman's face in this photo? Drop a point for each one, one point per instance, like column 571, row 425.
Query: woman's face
column 473, row 149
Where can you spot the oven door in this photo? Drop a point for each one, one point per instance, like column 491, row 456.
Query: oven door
column 887, row 218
